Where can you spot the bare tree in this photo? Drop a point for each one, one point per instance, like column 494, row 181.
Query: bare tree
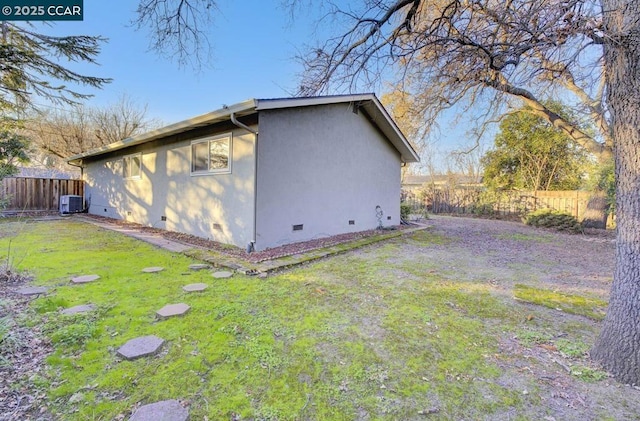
column 485, row 52
column 178, row 27
column 467, row 161
column 61, row 133
column 120, row 121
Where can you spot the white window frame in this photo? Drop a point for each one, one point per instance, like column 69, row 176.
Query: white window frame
column 125, row 166
column 208, row 140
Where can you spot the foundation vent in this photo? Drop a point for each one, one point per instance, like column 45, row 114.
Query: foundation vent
column 352, row 222
column 298, row 227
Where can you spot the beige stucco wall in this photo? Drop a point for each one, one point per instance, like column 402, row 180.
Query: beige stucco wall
column 322, row 166
column 190, row 203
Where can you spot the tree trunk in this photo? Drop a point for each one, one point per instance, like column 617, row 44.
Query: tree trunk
column 618, row 346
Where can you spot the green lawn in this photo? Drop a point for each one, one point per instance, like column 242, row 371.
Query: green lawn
column 363, row 335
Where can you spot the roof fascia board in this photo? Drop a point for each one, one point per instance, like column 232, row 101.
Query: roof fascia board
column 370, row 102
column 171, row 129
column 384, row 121
column 274, row 104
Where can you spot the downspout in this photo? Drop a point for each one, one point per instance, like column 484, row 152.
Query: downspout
column 251, row 245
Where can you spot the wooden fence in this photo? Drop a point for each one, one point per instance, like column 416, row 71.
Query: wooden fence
column 37, row 194
column 480, row 202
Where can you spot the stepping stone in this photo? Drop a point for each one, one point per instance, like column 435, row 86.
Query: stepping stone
column 85, row 279
column 222, row 274
column 194, row 287
column 141, row 347
column 153, row 269
column 169, row 410
column 199, row 266
column 172, row 310
column 32, row 291
column 79, row 309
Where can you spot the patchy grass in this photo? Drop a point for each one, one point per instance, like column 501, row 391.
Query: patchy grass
column 357, row 336
column 516, row 236
column 593, row 308
column 428, row 237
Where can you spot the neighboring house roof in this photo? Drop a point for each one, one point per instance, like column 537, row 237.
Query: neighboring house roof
column 369, row 102
column 419, row 180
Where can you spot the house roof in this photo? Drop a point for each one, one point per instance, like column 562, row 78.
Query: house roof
column 419, row 180
column 369, row 102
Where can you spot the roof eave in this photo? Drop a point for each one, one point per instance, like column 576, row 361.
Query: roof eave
column 386, row 124
column 182, row 126
column 369, row 101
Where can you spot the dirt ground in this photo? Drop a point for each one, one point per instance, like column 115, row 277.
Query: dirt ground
column 507, row 253
column 511, row 252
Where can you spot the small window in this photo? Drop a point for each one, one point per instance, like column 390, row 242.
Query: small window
column 211, row 155
column 132, row 166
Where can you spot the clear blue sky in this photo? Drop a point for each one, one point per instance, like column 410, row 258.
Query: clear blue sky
column 253, row 42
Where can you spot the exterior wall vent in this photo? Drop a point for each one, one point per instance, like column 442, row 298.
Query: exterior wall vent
column 217, row 227
column 298, row 227
column 388, row 218
column 71, row 204
column 352, row 222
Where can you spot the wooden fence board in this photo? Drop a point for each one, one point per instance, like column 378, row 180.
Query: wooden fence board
column 38, row 194
column 468, row 201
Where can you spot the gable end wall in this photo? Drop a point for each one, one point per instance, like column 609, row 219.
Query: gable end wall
column 321, row 167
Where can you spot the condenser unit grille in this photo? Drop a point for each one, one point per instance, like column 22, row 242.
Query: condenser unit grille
column 70, row 204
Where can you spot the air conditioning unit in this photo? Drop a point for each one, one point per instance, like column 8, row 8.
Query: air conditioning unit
column 70, row 204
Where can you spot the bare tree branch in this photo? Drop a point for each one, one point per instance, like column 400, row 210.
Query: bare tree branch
column 178, row 28
column 474, row 52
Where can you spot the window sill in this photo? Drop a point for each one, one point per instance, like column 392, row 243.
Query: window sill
column 205, row 173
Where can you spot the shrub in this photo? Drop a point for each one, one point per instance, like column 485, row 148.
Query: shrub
column 405, row 210
column 547, row 218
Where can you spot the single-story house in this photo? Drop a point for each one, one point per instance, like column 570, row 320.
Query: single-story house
column 258, row 174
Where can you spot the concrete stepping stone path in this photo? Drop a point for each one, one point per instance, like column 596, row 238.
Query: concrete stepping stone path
column 84, row 279
column 169, row 410
column 194, row 287
column 79, row 309
column 141, row 347
column 222, row 274
column 171, row 310
column 28, row 291
column 199, row 266
column 153, row 269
